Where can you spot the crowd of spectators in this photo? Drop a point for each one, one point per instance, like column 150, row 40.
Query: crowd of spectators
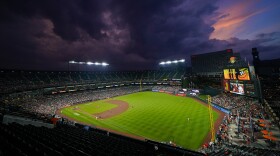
column 168, row 88
column 244, row 106
column 242, row 142
column 232, row 101
column 49, row 104
column 245, row 112
column 271, row 91
column 246, row 115
column 18, row 81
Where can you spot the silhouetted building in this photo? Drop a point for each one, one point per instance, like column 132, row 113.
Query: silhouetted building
column 256, row 59
column 269, row 67
column 212, row 64
column 265, row 67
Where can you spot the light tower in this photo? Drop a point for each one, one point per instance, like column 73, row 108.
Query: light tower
column 103, row 64
column 256, row 59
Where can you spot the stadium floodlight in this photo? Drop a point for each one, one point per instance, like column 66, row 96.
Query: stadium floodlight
column 81, row 62
column 97, row 63
column 90, row 63
column 172, row 62
column 104, row 64
column 182, row 60
column 168, row 62
column 72, row 62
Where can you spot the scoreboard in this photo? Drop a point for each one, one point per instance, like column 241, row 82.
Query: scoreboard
column 238, row 81
column 237, row 74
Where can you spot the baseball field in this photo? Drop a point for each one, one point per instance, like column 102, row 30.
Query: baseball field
column 151, row 115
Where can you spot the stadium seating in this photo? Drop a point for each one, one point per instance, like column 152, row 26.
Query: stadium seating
column 18, row 81
column 271, row 89
column 66, row 139
column 71, row 140
column 227, row 149
column 29, row 94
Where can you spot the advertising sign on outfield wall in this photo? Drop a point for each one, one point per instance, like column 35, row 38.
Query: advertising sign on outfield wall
column 180, row 94
column 221, row 108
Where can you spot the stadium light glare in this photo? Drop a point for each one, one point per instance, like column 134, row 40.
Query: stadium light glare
column 90, row 63
column 81, row 62
column 104, row 64
column 172, row 62
column 72, row 62
column 182, row 60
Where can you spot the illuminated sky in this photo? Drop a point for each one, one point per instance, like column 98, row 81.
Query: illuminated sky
column 246, row 19
column 130, row 35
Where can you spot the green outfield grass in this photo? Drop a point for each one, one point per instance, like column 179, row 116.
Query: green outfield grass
column 203, row 96
column 155, row 116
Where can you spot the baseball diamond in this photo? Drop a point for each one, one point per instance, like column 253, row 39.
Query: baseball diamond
column 161, row 117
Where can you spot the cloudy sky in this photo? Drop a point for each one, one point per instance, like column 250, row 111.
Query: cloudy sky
column 129, row 34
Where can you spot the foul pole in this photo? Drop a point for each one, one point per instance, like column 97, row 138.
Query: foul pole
column 140, row 87
column 212, row 129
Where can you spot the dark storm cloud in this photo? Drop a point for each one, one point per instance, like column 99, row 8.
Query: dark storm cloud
column 67, row 15
column 160, row 29
column 66, row 25
column 127, row 34
column 17, row 47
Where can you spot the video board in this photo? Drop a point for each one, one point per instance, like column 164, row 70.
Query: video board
column 230, row 74
column 243, row 74
column 237, row 88
column 237, row 74
column 246, row 88
column 226, row 85
column 250, row 90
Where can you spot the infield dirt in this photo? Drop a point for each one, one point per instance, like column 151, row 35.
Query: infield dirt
column 122, row 107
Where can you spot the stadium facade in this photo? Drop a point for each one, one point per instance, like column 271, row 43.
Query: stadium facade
column 212, row 64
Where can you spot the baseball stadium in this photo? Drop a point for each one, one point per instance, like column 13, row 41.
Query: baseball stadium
column 139, row 78
column 168, row 111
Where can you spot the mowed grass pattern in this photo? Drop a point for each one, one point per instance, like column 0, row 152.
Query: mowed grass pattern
column 155, row 116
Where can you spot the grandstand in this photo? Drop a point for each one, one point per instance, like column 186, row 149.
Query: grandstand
column 71, row 140
column 18, row 81
column 33, row 97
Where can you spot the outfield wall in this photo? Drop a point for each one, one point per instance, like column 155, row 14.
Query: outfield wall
column 227, row 111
